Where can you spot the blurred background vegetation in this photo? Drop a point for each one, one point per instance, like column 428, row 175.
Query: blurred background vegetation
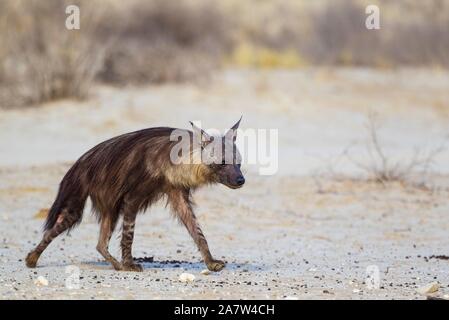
column 156, row 41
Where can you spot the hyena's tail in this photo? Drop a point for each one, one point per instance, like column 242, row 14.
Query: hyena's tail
column 70, row 201
column 53, row 213
column 65, row 213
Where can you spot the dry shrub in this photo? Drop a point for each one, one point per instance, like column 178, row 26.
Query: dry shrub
column 324, row 34
column 422, row 43
column 160, row 41
column 420, row 37
column 383, row 168
column 269, row 34
column 334, row 33
column 412, row 168
column 416, row 36
column 339, row 35
column 43, row 60
column 140, row 42
column 164, row 41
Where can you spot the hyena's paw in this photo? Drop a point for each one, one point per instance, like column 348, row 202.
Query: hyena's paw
column 116, row 265
column 31, row 259
column 215, row 265
column 132, row 267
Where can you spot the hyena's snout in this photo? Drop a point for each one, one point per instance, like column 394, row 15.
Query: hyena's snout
column 235, row 176
column 240, row 181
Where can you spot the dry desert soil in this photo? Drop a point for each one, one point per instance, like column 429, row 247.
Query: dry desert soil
column 317, row 229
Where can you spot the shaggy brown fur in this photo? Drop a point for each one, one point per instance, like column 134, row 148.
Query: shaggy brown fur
column 124, row 176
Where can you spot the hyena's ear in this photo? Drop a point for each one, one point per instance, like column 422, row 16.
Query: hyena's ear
column 232, row 133
column 201, row 135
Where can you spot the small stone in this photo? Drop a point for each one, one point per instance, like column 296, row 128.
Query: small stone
column 186, row 277
column 41, row 281
column 205, row 272
column 429, row 288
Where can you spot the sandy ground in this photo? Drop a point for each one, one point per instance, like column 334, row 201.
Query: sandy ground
column 309, row 231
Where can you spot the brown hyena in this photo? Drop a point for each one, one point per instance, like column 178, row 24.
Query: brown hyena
column 126, row 174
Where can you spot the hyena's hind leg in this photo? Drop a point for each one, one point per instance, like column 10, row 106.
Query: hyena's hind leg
column 106, row 229
column 65, row 220
column 129, row 221
column 181, row 205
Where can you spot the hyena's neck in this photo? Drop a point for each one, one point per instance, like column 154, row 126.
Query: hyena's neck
column 188, row 175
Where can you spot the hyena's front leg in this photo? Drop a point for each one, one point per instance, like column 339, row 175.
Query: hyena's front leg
column 129, row 221
column 181, row 204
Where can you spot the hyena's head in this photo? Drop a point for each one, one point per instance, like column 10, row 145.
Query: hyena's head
column 221, row 156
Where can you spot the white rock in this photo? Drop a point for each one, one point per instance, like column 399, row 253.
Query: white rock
column 291, row 298
column 186, row 277
column 205, row 272
column 429, row 288
column 41, row 281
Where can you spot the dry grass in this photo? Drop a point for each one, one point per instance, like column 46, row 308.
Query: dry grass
column 146, row 41
column 158, row 41
column 334, row 32
column 44, row 61
column 165, row 41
